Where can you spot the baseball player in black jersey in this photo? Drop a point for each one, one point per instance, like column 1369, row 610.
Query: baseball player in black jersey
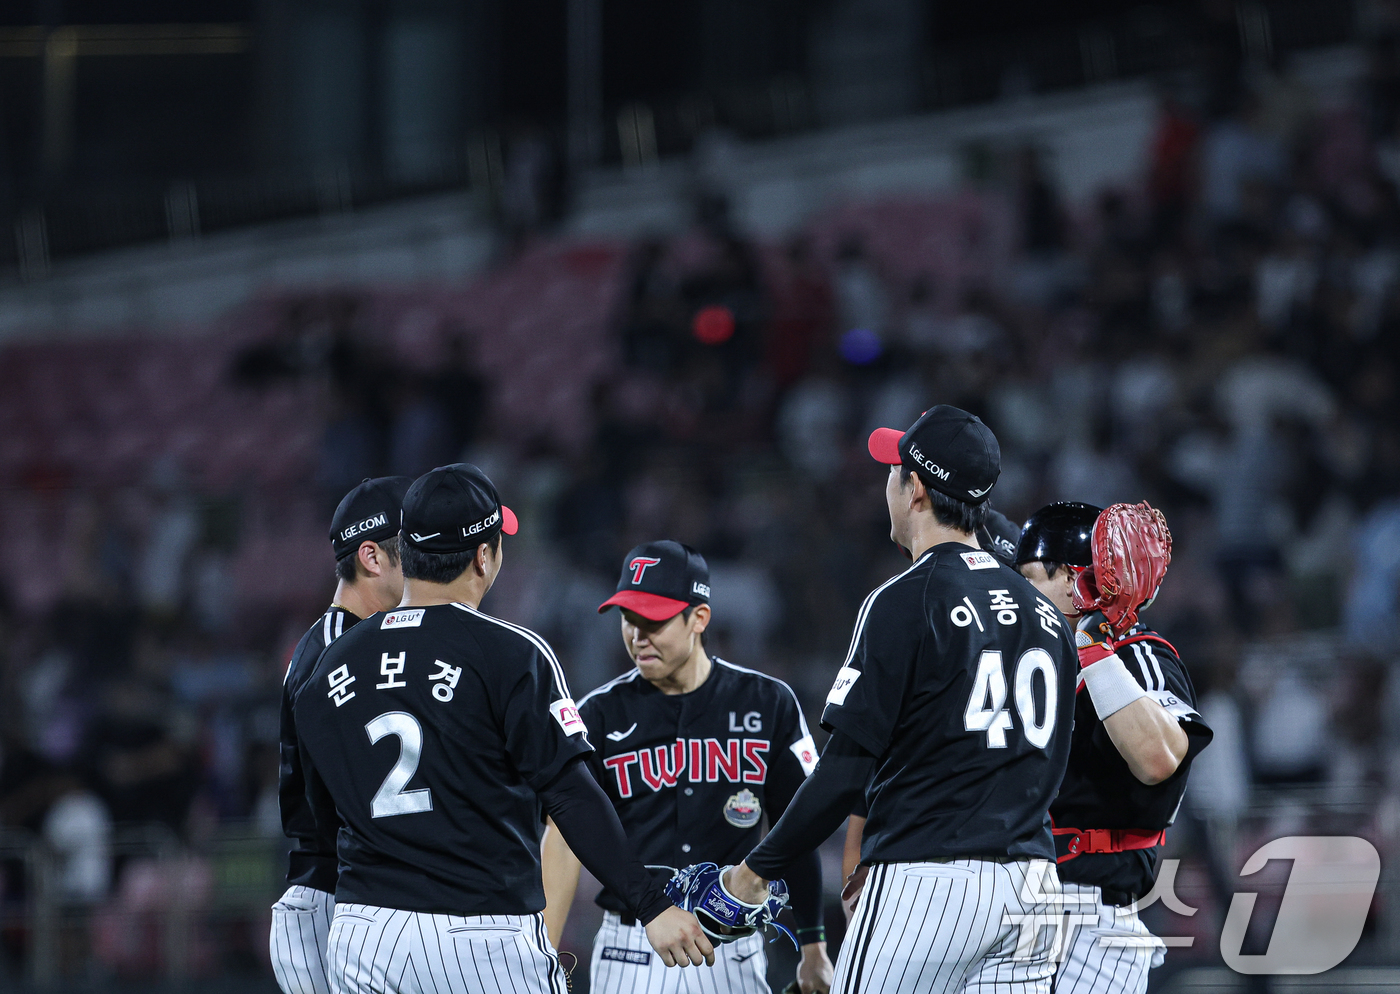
column 438, row 736
column 998, row 535
column 952, row 714
column 693, row 752
column 364, row 538
column 1136, row 731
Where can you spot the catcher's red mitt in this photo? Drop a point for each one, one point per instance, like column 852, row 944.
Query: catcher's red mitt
column 1132, row 547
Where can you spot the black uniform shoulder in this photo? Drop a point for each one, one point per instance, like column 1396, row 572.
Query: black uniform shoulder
column 1157, row 666
column 618, row 688
column 335, row 623
column 755, row 681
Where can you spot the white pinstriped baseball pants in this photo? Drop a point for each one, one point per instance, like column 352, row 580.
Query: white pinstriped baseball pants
column 385, row 951
column 966, row 925
column 624, row 963
column 301, row 922
column 1115, row 954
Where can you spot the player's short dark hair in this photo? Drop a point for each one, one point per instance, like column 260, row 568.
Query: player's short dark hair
column 348, row 568
column 949, row 511
column 441, row 567
column 1050, row 568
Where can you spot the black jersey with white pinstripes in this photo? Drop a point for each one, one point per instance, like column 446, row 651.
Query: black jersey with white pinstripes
column 312, row 862
column 959, row 680
column 431, row 731
column 1100, row 791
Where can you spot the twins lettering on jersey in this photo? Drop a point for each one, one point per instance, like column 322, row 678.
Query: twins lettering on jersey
column 698, row 760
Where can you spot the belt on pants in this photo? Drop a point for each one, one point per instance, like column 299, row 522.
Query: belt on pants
column 1072, row 842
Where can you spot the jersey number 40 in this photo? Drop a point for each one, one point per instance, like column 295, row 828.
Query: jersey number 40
column 986, row 708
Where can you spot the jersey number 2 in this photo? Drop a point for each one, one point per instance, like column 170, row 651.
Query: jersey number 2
column 391, row 799
column 986, row 708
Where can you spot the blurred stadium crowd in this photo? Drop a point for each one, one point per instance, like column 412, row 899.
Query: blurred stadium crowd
column 1221, row 339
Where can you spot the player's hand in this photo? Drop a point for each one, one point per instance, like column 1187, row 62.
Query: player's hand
column 814, row 973
column 746, row 885
column 850, row 894
column 678, row 940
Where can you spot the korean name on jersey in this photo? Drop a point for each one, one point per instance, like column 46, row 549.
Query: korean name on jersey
column 432, row 730
column 960, row 679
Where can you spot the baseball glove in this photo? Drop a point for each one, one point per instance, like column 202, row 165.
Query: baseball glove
column 1132, row 548
column 700, row 890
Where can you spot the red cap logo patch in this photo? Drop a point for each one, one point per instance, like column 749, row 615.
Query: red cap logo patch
column 639, row 566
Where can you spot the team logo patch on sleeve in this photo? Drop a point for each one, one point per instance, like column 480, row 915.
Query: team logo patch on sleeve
column 846, row 678
column 979, row 560
column 567, row 715
column 637, row 957
column 742, row 810
column 806, row 752
column 411, row 618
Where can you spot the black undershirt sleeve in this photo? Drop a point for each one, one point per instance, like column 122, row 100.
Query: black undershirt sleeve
column 589, row 824
column 805, row 890
column 817, row 809
column 805, row 879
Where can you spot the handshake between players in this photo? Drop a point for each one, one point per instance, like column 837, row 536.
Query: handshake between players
column 423, row 748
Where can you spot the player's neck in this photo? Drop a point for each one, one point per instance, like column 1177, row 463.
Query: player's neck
column 355, row 598
column 928, row 532
column 688, row 676
column 469, row 589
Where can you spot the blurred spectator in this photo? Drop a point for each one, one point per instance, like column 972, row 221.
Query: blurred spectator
column 862, row 298
column 1373, row 602
column 462, row 393
column 812, row 426
column 170, row 542
column 1290, row 739
column 1042, row 218
column 531, row 189
column 1237, row 151
column 421, row 432
column 802, row 313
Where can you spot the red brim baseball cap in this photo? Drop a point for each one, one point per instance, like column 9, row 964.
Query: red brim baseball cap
column 884, row 445
column 653, row 607
column 660, row 580
column 952, row 451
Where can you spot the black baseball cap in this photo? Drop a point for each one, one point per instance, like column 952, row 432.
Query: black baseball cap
column 453, row 509
column 999, row 535
column 660, row 580
column 369, row 513
column 952, row 451
column 1062, row 532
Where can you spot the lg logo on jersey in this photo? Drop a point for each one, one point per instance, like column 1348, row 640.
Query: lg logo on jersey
column 1330, row 887
column 753, row 722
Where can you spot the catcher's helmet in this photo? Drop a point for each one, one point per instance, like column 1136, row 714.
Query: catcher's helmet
column 1059, row 533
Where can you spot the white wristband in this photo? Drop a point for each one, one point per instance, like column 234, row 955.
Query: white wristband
column 1111, row 686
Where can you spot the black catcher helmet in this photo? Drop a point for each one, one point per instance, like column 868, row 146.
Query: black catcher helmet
column 1059, row 533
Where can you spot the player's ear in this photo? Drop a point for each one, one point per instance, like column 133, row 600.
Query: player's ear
column 368, row 556
column 919, row 494
column 700, row 618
